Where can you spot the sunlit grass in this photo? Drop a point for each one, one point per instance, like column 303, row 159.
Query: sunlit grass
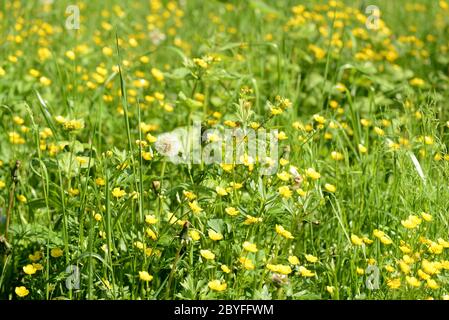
column 357, row 205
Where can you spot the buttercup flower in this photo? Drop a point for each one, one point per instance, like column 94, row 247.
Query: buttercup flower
column 22, row 291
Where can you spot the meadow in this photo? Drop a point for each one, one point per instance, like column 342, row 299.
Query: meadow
column 98, row 98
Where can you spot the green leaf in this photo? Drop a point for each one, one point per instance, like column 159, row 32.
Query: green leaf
column 178, row 74
column 263, row 7
column 46, row 113
column 216, row 224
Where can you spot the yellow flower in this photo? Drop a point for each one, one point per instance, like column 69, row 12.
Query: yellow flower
column 317, row 51
column 362, row 148
column 157, row 74
column 356, row 240
column 337, row 156
column 379, row 131
column 279, row 268
column 195, row 207
column 232, row 211
column 98, row 217
column 107, row 51
column 340, row 87
column 444, row 5
column 311, row 173
column 56, row 252
column 426, row 216
column 330, row 187
column 230, row 123
column 151, row 234
column 217, row 285
column 443, row 242
column 2, row 184
column 225, row 268
column 100, row 182
column 118, row 193
column 145, row 276
column 405, row 249
column 74, row 192
column 389, row 268
column 195, row 235
column 405, row 268
column 22, row 291
column 293, row 260
column 282, row 136
column 201, row 63
column 285, row 192
column 423, row 275
column 45, row 81
column 284, row 233
column 283, row 162
column 251, row 220
column 147, row 155
column 36, row 256
column 150, row 219
column 407, row 259
column 378, row 233
column 139, row 245
column 276, row 111
column 16, row 138
column 72, row 125
column 311, row 258
column 189, row 195
column 445, row 265
column 150, row 138
column 236, row 185
column 247, row 263
column 207, row 254
column 301, row 192
column 70, row 54
column 215, row 236
column 429, row 267
column 38, row 266
column 18, row 120
column 221, row 191
column 365, row 122
column 412, row 222
column 330, row 289
column 359, row 271
column 382, row 237
column 412, row 281
column 306, row 272
column 319, row 119
column 248, row 246
column 435, row 248
column 417, row 82
column 29, row 269
column 386, row 240
column 227, row 167
column 22, row 198
column 394, row 283
column 284, row 176
column 247, row 161
column 333, row 104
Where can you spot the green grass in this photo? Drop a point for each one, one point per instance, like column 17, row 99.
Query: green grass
column 77, row 139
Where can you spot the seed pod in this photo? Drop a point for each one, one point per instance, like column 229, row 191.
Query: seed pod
column 5, row 247
column 279, row 279
column 156, row 186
